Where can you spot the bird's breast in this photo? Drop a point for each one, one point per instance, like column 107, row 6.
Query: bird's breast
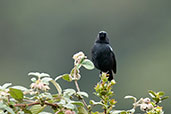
column 103, row 59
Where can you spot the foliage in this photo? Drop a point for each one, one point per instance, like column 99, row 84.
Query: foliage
column 21, row 100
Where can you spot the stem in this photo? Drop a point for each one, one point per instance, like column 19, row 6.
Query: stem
column 77, row 86
column 35, row 103
column 78, row 89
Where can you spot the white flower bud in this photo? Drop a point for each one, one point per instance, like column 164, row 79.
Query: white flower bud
column 146, row 100
column 150, row 106
column 113, row 82
column 77, row 55
column 143, row 107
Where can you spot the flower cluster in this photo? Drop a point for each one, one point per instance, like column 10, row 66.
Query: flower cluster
column 41, row 83
column 146, row 104
column 4, row 91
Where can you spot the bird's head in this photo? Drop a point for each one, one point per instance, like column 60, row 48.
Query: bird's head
column 102, row 37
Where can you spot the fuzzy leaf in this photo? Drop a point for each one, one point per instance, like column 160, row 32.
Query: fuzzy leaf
column 118, row 112
column 46, row 80
column 20, row 88
column 16, row 94
column 3, row 106
column 69, row 92
column 130, row 97
column 6, row 85
column 96, row 103
column 36, row 109
column 69, row 106
column 82, row 94
column 38, row 74
column 77, row 103
column 26, row 111
column 87, row 64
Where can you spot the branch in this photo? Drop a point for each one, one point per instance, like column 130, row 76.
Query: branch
column 78, row 89
column 35, row 103
column 77, row 86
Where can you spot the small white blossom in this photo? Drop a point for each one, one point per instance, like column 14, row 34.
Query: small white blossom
column 150, row 106
column 147, row 100
column 40, row 85
column 143, row 107
column 4, row 94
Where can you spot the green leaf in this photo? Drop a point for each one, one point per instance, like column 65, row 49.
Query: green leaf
column 160, row 93
column 156, row 100
column 16, row 94
column 27, row 111
column 82, row 94
column 57, row 86
column 77, row 103
column 87, row 64
column 152, row 93
column 36, row 109
column 45, row 113
column 124, row 112
column 67, row 77
column 166, row 97
column 82, row 110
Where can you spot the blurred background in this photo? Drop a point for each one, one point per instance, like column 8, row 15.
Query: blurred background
column 43, row 36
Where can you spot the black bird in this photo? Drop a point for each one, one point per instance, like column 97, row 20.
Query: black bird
column 103, row 56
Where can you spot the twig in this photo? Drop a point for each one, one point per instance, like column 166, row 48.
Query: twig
column 77, row 86
column 35, row 103
column 78, row 89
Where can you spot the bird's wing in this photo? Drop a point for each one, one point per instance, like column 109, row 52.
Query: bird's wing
column 114, row 59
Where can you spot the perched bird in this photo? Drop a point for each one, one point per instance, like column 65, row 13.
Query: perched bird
column 103, row 56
